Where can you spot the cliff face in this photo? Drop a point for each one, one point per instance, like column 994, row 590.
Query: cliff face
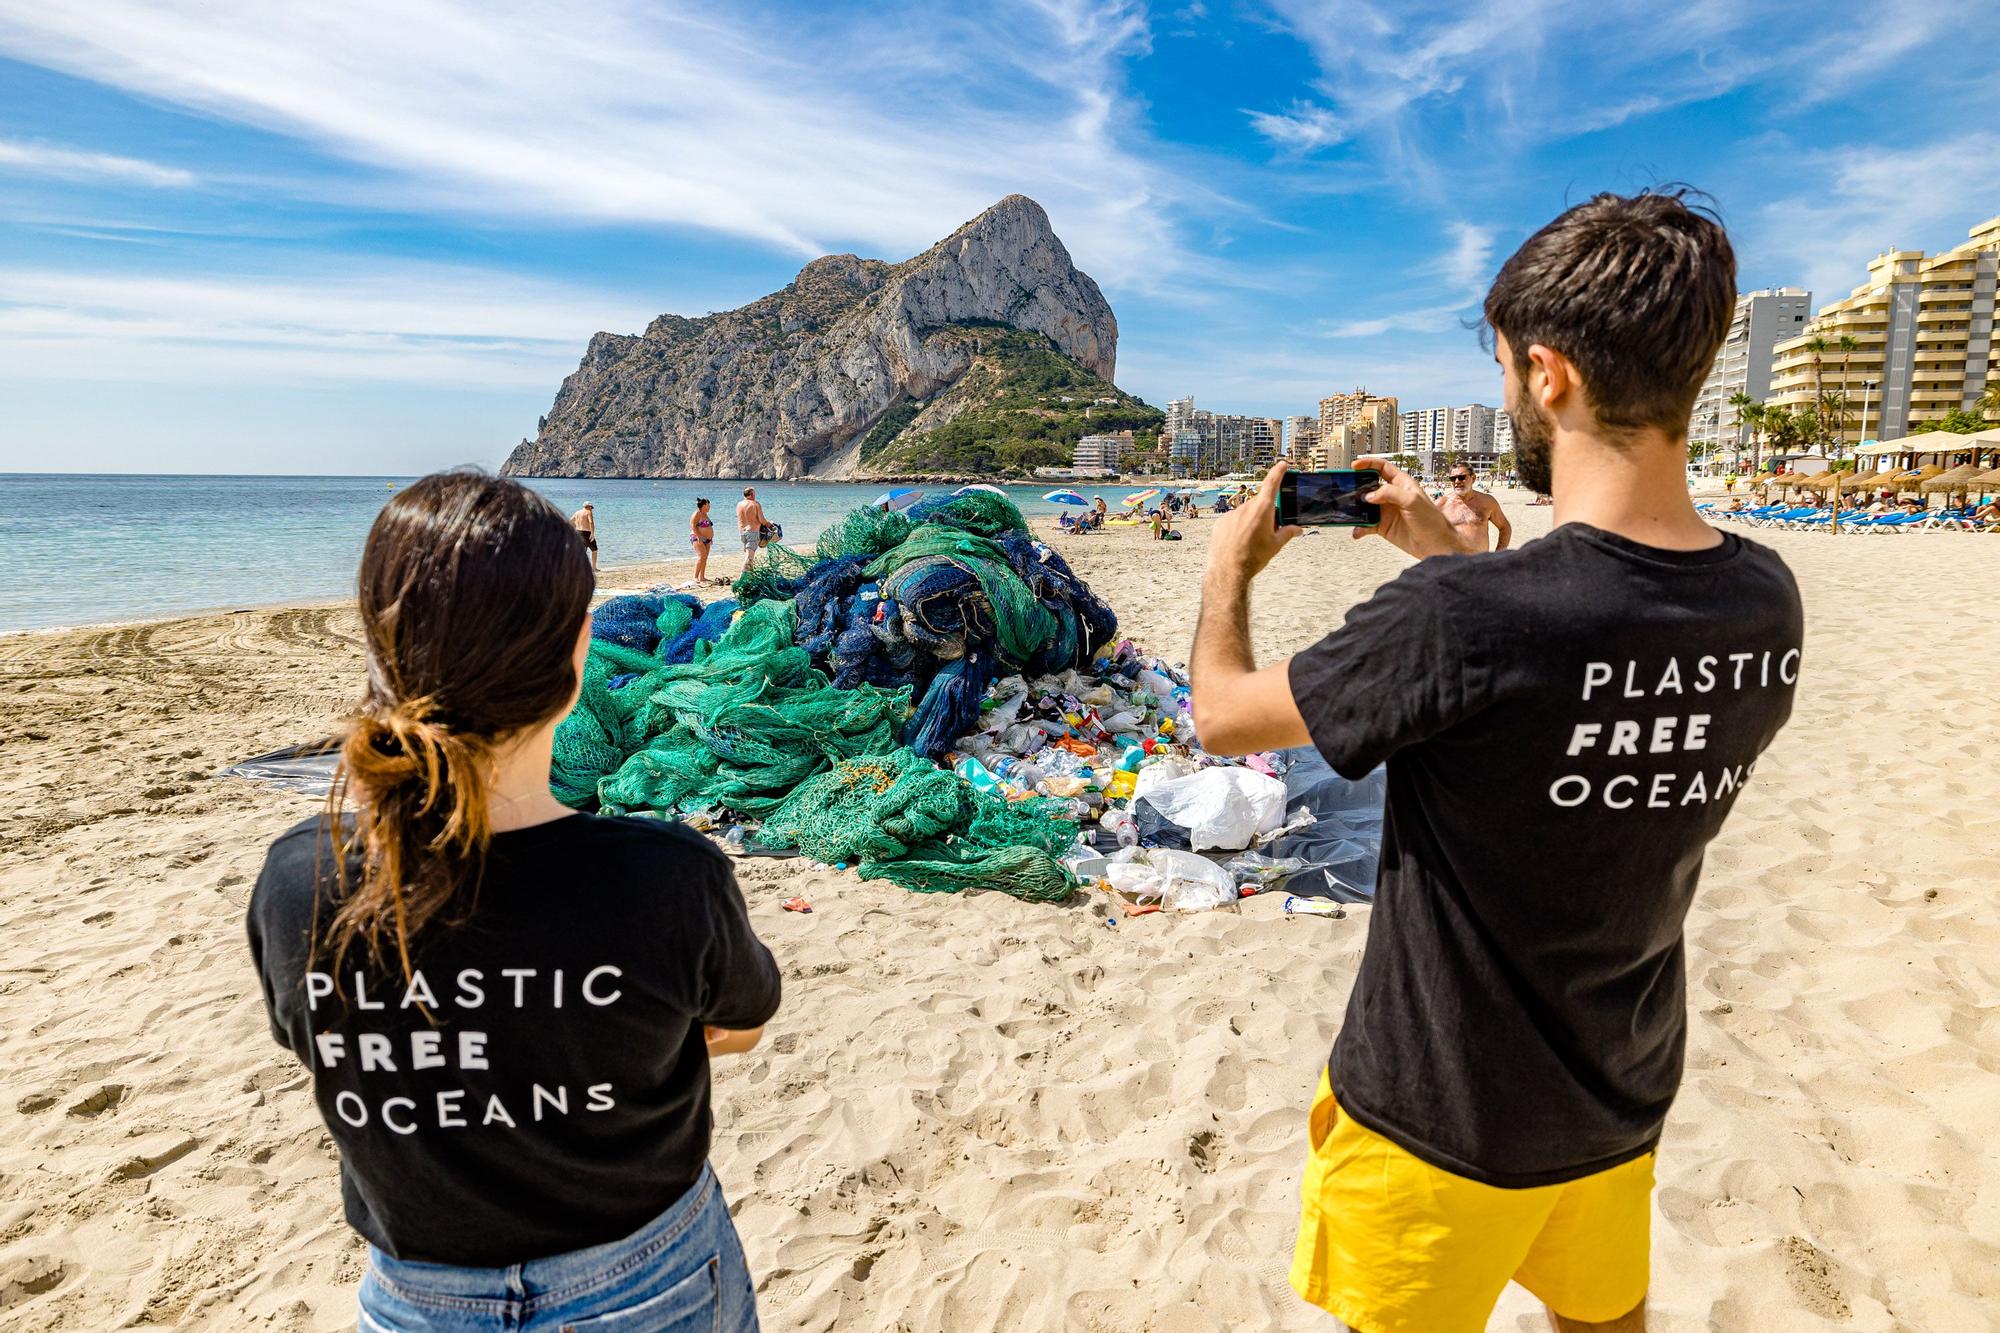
column 785, row 385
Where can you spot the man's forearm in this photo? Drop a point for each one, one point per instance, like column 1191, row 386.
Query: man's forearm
column 1222, row 630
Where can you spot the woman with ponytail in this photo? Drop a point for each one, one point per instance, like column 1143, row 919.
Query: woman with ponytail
column 508, row 1008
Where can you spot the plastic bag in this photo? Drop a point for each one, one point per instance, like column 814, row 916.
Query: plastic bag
column 1178, row 881
column 1220, row 807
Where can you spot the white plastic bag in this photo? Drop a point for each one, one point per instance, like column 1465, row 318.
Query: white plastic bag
column 1178, row 881
column 1220, row 807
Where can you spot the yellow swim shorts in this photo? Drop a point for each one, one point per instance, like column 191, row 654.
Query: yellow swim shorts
column 1389, row 1243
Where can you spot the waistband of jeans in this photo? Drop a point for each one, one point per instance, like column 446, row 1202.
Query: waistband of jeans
column 570, row 1273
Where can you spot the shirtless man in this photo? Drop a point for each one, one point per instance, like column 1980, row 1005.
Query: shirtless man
column 584, row 521
column 1469, row 511
column 750, row 525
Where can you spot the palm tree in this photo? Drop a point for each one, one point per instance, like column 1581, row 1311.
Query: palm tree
column 1756, row 416
column 1989, row 402
column 1742, row 402
column 1817, row 345
column 1847, row 347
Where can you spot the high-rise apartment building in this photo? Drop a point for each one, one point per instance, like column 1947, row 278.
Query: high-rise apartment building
column 1228, row 442
column 1922, row 327
column 1351, row 424
column 1301, row 434
column 1099, row 455
column 1762, row 320
column 1503, row 434
column 1434, row 435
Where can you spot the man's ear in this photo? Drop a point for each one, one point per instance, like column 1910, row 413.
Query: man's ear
column 1552, row 378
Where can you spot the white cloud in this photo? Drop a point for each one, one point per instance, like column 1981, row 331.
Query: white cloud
column 1865, row 200
column 855, row 130
column 1469, row 263
column 1427, row 319
column 1304, row 128
column 1438, row 88
column 70, row 164
column 406, row 324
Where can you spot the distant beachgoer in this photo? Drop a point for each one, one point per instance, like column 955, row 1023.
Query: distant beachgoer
column 701, row 530
column 1987, row 513
column 1565, row 728
column 750, row 525
column 584, row 521
column 1098, row 513
column 515, row 1074
column 1470, row 511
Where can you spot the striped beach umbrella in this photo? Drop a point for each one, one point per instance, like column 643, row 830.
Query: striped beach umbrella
column 1066, row 498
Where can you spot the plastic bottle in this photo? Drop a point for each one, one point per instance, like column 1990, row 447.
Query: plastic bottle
column 1155, row 684
column 734, row 838
column 977, row 774
column 1017, row 771
column 1122, row 826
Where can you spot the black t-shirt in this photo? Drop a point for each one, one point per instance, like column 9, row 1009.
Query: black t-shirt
column 557, row 1096
column 1566, row 727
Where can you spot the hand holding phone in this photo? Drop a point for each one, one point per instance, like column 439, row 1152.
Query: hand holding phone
column 1328, row 499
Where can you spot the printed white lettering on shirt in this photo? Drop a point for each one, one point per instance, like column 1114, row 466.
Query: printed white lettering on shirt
column 369, row 1055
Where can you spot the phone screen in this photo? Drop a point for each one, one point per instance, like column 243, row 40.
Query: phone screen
column 1325, row 499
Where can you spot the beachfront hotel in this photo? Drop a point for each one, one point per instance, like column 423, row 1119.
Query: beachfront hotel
column 1762, row 320
column 1922, row 326
column 1208, row 444
column 1353, row 424
column 1433, row 435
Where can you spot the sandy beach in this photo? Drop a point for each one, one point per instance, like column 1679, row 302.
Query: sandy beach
column 978, row 1113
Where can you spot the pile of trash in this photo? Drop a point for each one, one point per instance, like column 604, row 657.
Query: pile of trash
column 935, row 699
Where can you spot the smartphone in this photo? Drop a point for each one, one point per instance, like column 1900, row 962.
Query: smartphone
column 1328, row 499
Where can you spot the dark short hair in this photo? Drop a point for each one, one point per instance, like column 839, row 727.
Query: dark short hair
column 1637, row 291
column 699, row 502
column 748, row 491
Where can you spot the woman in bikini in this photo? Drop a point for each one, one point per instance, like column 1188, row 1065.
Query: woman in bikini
column 702, row 528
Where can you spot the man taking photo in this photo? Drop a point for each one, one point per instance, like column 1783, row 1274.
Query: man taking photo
column 1566, row 726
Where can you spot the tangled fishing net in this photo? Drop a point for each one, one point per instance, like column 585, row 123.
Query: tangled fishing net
column 820, row 699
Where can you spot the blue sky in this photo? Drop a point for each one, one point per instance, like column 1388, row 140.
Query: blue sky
column 374, row 236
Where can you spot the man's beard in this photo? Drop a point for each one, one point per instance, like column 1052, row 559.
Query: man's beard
column 1534, row 436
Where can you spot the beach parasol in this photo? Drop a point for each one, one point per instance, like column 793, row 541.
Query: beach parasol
column 1985, row 482
column 1911, row 481
column 1955, row 480
column 1860, row 481
column 1142, row 497
column 980, row 486
column 897, row 497
column 1066, row 498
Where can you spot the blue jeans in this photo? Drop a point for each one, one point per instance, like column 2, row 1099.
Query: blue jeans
column 680, row 1272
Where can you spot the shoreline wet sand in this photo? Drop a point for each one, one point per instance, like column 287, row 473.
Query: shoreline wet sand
column 979, row 1113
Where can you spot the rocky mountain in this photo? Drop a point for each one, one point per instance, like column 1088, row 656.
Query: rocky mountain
column 789, row 385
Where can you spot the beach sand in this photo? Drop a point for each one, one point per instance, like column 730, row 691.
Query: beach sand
column 977, row 1113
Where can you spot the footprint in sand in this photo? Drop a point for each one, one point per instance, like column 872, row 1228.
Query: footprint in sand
column 35, row 1101
column 28, row 1275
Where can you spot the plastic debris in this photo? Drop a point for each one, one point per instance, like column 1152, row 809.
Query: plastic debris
column 1178, row 881
column 796, row 905
column 1297, row 906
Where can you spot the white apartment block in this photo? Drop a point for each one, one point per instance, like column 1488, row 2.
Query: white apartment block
column 1099, row 455
column 1762, row 320
column 1435, row 435
column 1922, row 341
column 1229, row 442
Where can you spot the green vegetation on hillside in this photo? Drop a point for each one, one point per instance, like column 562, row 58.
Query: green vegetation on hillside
column 1028, row 406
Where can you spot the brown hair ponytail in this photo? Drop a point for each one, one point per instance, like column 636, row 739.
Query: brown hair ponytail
column 471, row 592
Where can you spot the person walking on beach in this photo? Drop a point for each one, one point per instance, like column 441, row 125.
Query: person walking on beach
column 584, row 521
column 508, row 1009
column 1566, row 726
column 1470, row 510
column 701, row 530
column 750, row 525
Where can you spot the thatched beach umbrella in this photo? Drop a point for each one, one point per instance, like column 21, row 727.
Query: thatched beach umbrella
column 1911, row 481
column 1985, row 481
column 1860, row 481
column 1954, row 480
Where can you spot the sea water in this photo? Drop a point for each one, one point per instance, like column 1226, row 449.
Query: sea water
column 79, row 550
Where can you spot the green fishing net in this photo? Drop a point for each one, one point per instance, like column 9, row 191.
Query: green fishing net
column 902, row 818
column 750, row 727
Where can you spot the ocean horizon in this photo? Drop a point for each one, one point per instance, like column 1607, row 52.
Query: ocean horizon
column 94, row 548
